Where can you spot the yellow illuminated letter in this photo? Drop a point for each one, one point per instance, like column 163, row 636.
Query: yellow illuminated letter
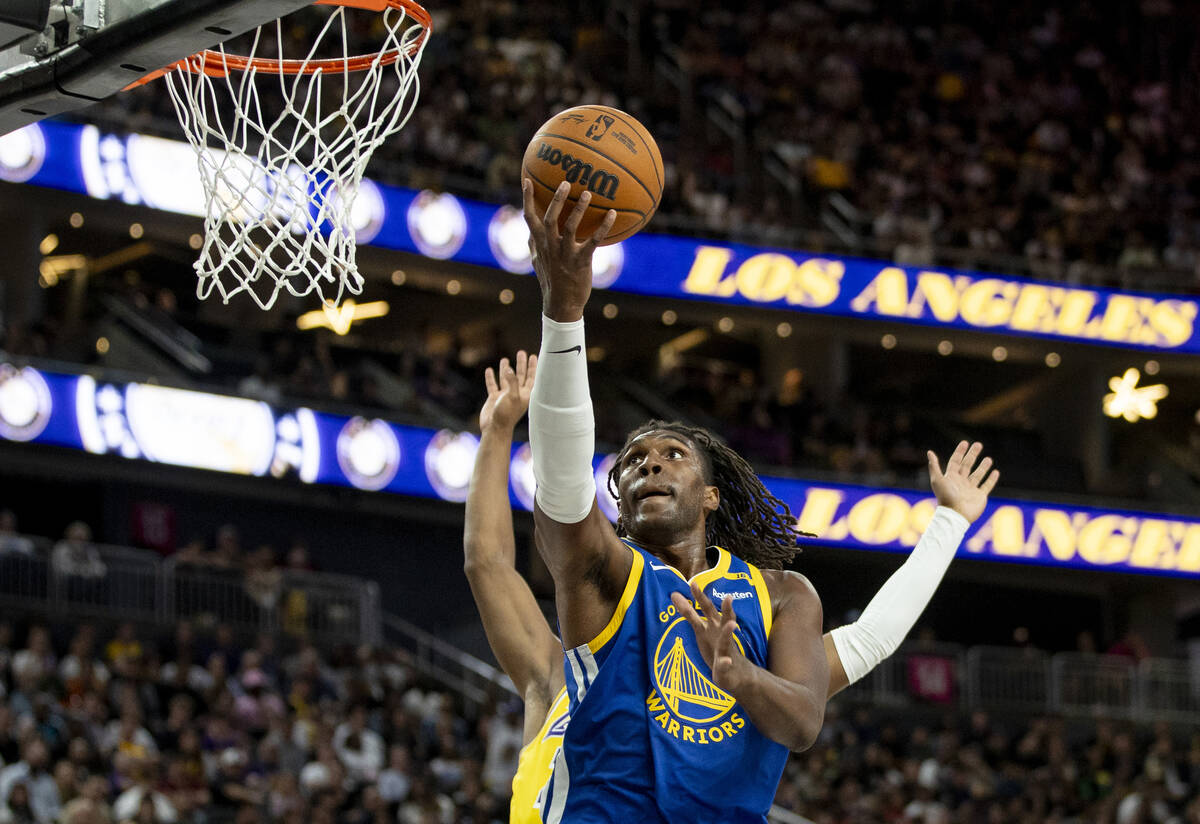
column 888, row 291
column 765, row 278
column 878, row 519
column 818, row 282
column 1105, row 540
column 1174, row 321
column 705, row 277
column 988, row 302
column 820, row 505
column 1005, row 531
column 937, row 290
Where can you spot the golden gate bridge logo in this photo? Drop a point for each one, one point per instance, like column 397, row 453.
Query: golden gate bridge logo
column 685, row 688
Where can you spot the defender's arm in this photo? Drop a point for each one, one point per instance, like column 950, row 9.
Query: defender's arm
column 527, row 649
column 962, row 492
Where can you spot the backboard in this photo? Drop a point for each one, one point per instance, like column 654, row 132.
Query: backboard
column 60, row 55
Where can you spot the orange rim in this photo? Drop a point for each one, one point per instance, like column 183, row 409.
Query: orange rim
column 218, row 64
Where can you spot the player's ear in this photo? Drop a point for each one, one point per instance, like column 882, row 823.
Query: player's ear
column 712, row 498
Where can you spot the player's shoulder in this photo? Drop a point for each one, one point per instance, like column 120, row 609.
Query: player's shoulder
column 790, row 590
column 787, row 581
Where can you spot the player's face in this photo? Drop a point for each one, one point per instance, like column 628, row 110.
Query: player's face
column 661, row 487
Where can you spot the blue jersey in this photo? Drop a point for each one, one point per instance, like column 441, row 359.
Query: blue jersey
column 652, row 738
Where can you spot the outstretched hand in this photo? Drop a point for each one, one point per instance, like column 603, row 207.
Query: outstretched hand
column 563, row 266
column 965, row 486
column 714, row 636
column 508, row 395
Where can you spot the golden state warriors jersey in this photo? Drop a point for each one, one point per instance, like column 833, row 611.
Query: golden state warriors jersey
column 652, row 738
column 535, row 763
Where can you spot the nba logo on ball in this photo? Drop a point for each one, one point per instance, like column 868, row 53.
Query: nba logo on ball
column 599, row 127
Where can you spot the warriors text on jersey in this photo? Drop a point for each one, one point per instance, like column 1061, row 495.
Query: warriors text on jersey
column 652, row 738
column 535, row 763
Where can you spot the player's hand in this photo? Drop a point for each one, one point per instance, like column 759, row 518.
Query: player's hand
column 563, row 266
column 714, row 636
column 965, row 486
column 508, row 393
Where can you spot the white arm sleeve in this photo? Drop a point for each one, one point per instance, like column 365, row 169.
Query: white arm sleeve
column 903, row 597
column 562, row 429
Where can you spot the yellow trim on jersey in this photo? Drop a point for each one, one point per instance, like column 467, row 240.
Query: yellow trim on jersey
column 764, row 598
column 535, row 764
column 706, row 577
column 614, row 623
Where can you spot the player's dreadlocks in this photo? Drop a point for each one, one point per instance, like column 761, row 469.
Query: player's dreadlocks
column 750, row 521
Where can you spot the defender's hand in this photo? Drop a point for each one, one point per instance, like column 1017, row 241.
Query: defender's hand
column 964, row 487
column 563, row 267
column 714, row 636
column 508, row 397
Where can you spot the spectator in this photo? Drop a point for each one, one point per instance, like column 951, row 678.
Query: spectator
column 142, row 803
column 79, row 670
column 227, row 552
column 425, row 804
column 10, row 541
column 36, row 792
column 75, row 556
column 124, row 651
column 263, row 578
column 84, row 811
column 234, row 784
column 6, row 653
column 323, row 773
column 17, row 808
column 128, row 736
column 394, row 782
column 258, row 703
column 66, row 778
column 10, row 745
column 504, row 742
column 360, row 749
column 224, row 645
column 37, row 661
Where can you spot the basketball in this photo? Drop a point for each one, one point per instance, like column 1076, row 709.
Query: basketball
column 606, row 152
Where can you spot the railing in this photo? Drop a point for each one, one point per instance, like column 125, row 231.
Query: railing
column 1032, row 681
column 1008, row 679
column 133, row 585
column 122, row 584
column 475, row 680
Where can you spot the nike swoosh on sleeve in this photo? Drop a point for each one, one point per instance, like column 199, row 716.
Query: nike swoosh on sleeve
column 575, row 348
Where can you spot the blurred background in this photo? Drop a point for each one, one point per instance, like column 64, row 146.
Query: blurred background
column 248, row 604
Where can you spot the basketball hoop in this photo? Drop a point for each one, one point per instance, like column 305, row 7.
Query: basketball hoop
column 283, row 142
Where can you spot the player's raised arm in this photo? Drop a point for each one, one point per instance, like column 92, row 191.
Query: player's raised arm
column 962, row 492
column 587, row 560
column 522, row 641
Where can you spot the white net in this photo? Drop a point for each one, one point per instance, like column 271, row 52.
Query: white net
column 282, row 152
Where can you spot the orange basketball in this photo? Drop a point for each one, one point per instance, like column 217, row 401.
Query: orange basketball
column 605, row 151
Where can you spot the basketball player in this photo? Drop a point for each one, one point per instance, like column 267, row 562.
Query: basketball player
column 679, row 710
column 531, row 654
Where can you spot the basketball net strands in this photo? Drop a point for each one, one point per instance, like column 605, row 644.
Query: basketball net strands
column 282, row 144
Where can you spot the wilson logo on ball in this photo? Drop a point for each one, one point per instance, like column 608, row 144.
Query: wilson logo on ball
column 599, row 181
